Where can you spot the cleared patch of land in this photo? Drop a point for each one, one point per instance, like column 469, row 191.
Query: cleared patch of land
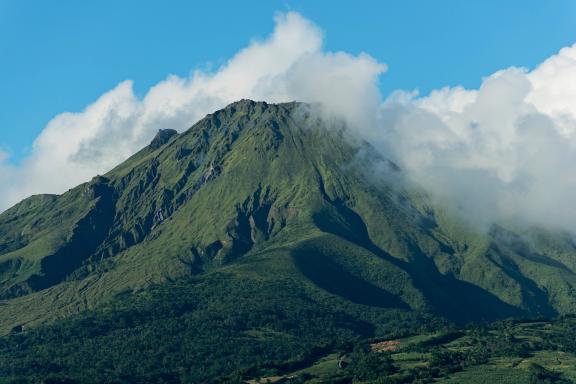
column 504, row 353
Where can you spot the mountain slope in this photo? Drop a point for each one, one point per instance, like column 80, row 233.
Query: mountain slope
column 266, row 192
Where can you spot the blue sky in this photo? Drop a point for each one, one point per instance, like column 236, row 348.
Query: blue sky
column 61, row 55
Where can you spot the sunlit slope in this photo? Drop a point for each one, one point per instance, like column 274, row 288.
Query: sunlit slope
column 266, row 191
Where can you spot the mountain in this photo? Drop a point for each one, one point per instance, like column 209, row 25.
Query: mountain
column 259, row 214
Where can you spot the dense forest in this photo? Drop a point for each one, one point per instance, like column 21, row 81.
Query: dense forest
column 190, row 331
column 194, row 331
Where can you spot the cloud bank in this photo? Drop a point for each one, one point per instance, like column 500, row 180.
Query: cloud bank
column 505, row 151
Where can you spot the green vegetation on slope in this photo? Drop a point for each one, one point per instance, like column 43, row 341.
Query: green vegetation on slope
column 196, row 330
column 504, row 352
column 266, row 198
column 226, row 328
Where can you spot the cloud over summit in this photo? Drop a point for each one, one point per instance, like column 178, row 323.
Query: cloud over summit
column 505, row 151
column 286, row 66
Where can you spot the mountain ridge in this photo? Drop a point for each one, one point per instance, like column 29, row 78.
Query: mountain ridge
column 259, row 181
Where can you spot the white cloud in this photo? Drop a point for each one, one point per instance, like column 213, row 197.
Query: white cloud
column 554, row 85
column 505, row 151
column 285, row 67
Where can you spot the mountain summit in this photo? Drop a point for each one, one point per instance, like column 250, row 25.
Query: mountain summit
column 262, row 206
column 266, row 189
